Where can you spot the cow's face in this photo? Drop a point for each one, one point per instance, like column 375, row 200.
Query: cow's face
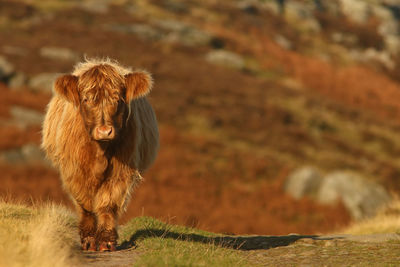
column 103, row 96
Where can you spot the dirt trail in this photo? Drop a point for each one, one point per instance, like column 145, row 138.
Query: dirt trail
column 290, row 250
column 125, row 257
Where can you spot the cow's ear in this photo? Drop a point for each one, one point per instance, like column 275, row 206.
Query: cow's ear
column 138, row 84
column 67, row 87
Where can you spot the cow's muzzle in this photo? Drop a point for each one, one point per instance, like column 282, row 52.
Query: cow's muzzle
column 104, row 133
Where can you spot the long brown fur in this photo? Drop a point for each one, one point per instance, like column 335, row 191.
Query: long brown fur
column 101, row 132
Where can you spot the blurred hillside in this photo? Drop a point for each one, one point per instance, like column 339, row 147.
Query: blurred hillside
column 245, row 92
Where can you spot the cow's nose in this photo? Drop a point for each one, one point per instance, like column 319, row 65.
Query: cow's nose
column 104, row 132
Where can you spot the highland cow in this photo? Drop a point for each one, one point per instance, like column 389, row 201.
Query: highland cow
column 101, row 133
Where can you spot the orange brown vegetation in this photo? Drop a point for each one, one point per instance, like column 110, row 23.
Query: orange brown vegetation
column 28, row 99
column 225, row 196
column 356, row 85
column 31, row 183
column 13, row 137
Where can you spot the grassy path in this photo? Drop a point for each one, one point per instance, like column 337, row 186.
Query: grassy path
column 291, row 250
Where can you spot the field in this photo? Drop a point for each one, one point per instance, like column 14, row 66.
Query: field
column 44, row 235
column 230, row 135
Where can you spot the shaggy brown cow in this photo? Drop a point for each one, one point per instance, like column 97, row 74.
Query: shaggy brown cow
column 101, row 132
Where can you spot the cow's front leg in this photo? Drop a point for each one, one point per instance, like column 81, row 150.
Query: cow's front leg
column 107, row 229
column 109, row 201
column 87, row 229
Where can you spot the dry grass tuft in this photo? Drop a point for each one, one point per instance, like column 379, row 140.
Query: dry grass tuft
column 39, row 236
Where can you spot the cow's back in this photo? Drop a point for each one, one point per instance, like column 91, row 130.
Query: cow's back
column 143, row 128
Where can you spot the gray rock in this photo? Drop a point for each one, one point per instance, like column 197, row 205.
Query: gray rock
column 95, row 6
column 179, row 32
column 25, row 116
column 14, row 50
column 300, row 10
column 29, row 153
column 143, row 31
column 340, row 37
column 388, row 24
column 59, row 53
column 303, row 182
column 283, row 42
column 6, row 69
column 311, row 25
column 361, row 197
column 249, row 6
column 225, row 58
column 171, row 25
column 165, row 30
column 175, row 6
column 330, row 6
column 17, row 81
column 43, row 82
column 356, row 10
column 392, row 44
column 12, row 156
column 191, row 37
column 373, row 55
column 33, row 152
column 271, row 6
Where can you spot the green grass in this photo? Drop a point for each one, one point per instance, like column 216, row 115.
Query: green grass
column 162, row 244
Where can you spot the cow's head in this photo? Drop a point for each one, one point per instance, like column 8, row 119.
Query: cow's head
column 103, row 96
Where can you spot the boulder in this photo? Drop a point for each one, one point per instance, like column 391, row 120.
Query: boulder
column 299, row 10
column 43, row 82
column 283, row 42
column 361, row 197
column 29, row 153
column 17, row 81
column 182, row 33
column 95, row 6
column 392, row 44
column 172, row 25
column 388, row 24
column 14, row 50
column 225, row 58
column 330, row 6
column 175, row 6
column 6, row 69
column 59, row 53
column 25, row 116
column 141, row 30
column 189, row 37
column 302, row 182
column 344, row 38
column 372, row 55
column 356, row 10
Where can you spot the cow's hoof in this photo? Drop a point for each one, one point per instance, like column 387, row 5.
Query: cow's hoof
column 107, row 246
column 88, row 243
